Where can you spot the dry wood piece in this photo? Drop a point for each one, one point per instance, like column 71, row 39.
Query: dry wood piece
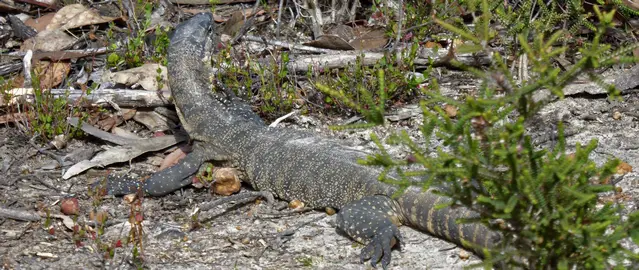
column 99, row 97
column 10, row 68
column 22, row 215
column 60, row 55
column 330, row 61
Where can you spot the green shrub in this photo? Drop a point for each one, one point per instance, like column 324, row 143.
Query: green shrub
column 543, row 201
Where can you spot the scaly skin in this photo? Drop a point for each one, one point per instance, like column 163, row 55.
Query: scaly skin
column 293, row 165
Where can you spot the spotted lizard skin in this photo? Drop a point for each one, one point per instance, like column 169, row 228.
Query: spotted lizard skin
column 292, row 164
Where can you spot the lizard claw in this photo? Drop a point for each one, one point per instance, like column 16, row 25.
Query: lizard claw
column 370, row 221
column 379, row 248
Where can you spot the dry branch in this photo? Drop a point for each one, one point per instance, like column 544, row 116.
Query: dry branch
column 60, row 55
column 330, row 61
column 100, row 97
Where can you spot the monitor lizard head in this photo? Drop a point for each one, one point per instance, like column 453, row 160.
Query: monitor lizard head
column 194, row 32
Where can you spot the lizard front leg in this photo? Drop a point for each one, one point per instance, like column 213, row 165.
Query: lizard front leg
column 373, row 221
column 169, row 179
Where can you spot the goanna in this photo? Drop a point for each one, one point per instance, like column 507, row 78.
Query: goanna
column 292, row 164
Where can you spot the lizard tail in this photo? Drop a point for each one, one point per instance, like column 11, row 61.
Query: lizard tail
column 420, row 212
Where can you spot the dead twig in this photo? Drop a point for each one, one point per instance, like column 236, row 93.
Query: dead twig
column 247, row 25
column 45, row 150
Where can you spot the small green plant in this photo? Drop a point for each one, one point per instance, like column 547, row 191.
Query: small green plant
column 305, row 261
column 46, row 114
column 113, row 59
column 351, row 87
column 159, row 78
column 213, row 4
column 161, row 45
column 134, row 55
column 135, row 52
column 136, row 233
column 100, row 218
column 276, row 94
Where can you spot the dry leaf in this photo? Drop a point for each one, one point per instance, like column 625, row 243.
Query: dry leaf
column 127, row 114
column 624, row 168
column 430, row 44
column 129, row 198
column 369, row 38
column 336, row 38
column 344, row 37
column 153, row 120
column 172, row 158
column 234, row 23
column 11, row 117
column 450, row 110
column 40, row 24
column 51, row 74
column 48, row 41
column 237, row 20
column 67, row 221
column 60, row 141
column 332, row 42
column 108, row 123
column 123, row 153
column 146, row 76
column 77, row 15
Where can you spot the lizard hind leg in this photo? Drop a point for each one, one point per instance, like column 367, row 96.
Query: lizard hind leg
column 373, row 221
